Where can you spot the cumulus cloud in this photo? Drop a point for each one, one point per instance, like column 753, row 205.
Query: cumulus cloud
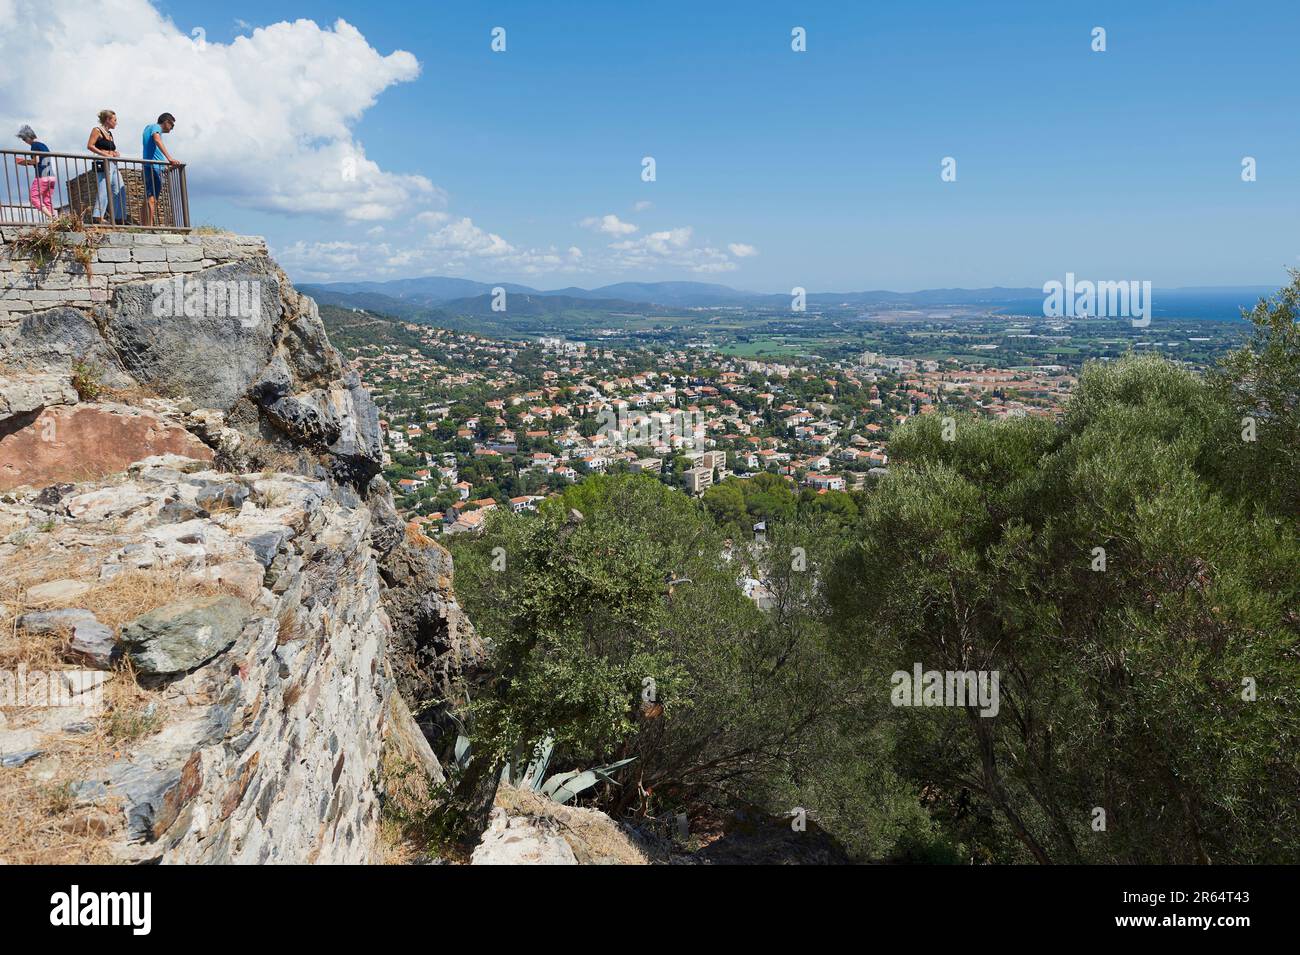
column 610, row 225
column 456, row 247
column 265, row 121
column 670, row 248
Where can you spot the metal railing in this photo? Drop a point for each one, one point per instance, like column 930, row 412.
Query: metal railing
column 107, row 192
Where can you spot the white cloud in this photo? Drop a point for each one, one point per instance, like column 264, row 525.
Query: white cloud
column 742, row 251
column 267, row 123
column 671, row 248
column 265, row 120
column 457, row 247
column 642, row 206
column 610, row 225
column 463, row 238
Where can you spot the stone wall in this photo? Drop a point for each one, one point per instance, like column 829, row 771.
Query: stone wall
column 120, row 257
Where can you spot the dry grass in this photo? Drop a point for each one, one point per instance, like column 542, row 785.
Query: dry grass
column 35, row 651
column 594, row 837
column 407, row 803
column 134, row 592
column 135, row 394
column 41, row 561
column 40, row 822
column 288, row 628
column 266, row 457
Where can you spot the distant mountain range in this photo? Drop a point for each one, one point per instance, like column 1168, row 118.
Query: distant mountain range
column 413, row 297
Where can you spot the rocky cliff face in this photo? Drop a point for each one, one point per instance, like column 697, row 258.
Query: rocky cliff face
column 191, row 507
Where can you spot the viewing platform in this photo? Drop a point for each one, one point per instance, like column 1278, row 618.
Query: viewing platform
column 79, row 191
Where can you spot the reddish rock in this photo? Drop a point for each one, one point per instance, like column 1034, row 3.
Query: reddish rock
column 88, row 441
column 179, row 795
column 235, row 793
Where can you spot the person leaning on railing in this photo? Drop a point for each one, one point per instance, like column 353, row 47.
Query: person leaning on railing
column 43, row 181
column 101, row 143
column 154, row 151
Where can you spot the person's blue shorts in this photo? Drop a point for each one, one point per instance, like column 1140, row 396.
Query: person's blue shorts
column 152, row 181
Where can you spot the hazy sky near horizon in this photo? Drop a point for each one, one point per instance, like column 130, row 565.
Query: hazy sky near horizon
column 398, row 143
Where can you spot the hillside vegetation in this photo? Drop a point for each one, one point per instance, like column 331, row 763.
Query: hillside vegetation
column 1130, row 572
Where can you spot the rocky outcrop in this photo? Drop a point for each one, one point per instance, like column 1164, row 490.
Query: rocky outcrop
column 526, row 828
column 25, row 394
column 200, row 524
column 210, row 322
column 266, row 662
column 436, row 654
column 89, row 441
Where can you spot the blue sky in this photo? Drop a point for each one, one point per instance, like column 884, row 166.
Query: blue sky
column 824, row 165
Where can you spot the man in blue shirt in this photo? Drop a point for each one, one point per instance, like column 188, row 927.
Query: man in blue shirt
column 154, row 154
column 43, row 182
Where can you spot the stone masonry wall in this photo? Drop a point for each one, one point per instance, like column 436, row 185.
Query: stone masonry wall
column 120, row 257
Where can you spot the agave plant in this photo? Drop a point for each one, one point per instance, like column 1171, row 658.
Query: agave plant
column 564, row 786
column 560, row 787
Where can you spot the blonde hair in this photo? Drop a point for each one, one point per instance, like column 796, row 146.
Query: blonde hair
column 104, row 114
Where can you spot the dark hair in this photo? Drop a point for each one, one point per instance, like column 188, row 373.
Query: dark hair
column 166, row 118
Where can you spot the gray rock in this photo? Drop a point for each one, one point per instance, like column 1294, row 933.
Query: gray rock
column 52, row 495
column 184, row 635
column 307, row 350
column 520, row 841
column 57, row 337
column 266, row 546
column 212, row 356
column 307, row 418
column 52, row 621
column 177, row 512
column 57, row 591
column 341, row 420
column 151, row 797
column 364, row 439
column 88, row 792
column 213, row 495
column 28, row 392
column 14, row 760
column 275, row 381
column 95, row 641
